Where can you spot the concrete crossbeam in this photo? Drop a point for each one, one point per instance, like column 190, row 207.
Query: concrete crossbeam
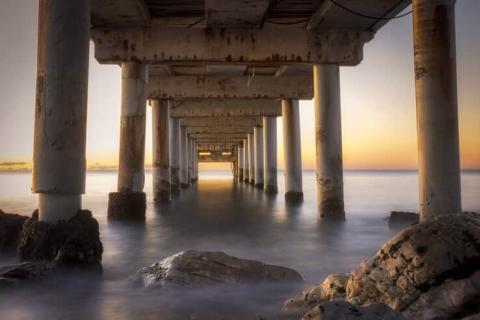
column 286, row 87
column 226, row 108
column 220, row 130
column 222, row 121
column 275, row 46
column 218, row 136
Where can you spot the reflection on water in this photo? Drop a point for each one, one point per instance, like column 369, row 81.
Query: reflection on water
column 216, row 214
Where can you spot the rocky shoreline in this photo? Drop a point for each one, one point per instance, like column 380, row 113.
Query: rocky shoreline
column 430, row 270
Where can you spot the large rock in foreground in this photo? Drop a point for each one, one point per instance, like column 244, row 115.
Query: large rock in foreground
column 72, row 242
column 207, row 268
column 342, row 310
column 417, row 266
column 332, row 288
column 10, row 228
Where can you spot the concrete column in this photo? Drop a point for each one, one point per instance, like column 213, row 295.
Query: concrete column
column 184, row 181
column 246, row 162
column 270, row 154
column 175, row 156
column 196, row 161
column 251, row 159
column 328, row 133
column 190, row 161
column 130, row 200
column 258, row 156
column 161, row 150
column 241, row 164
column 437, row 115
column 61, row 108
column 292, row 151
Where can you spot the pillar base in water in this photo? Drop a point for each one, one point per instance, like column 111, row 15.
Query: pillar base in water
column 71, row 242
column 175, row 189
column 294, row 196
column 271, row 189
column 184, row 185
column 193, row 180
column 332, row 210
column 127, row 205
column 259, row 185
column 252, row 182
column 162, row 196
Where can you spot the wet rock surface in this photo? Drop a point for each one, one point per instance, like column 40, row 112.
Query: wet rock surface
column 74, row 242
column 210, row 268
column 417, row 260
column 333, row 288
column 25, row 273
column 428, row 271
column 404, row 217
column 342, row 310
column 10, row 228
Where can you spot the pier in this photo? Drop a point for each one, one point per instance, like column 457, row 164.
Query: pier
column 217, row 77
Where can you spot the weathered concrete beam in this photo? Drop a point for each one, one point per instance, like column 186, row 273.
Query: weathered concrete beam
column 222, row 121
column 220, row 130
column 109, row 13
column 276, row 46
column 220, row 137
column 206, row 146
column 291, row 87
column 228, row 13
column 226, row 108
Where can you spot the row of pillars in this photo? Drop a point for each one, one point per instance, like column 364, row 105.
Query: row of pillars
column 257, row 156
column 59, row 162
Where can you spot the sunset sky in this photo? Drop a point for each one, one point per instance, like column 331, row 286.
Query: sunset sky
column 378, row 100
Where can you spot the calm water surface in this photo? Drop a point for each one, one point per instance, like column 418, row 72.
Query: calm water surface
column 216, row 214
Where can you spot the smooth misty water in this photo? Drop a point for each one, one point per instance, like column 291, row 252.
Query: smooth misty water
column 216, row 214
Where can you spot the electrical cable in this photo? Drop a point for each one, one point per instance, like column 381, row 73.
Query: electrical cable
column 366, row 15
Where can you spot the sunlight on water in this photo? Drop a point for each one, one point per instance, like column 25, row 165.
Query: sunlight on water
column 216, row 214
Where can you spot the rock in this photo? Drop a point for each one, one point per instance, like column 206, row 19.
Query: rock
column 397, row 217
column 472, row 317
column 342, row 310
column 447, row 301
column 334, row 287
column 10, row 228
column 207, row 268
column 419, row 260
column 72, row 242
column 26, row 272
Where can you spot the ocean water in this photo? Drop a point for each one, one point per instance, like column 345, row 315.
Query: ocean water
column 220, row 215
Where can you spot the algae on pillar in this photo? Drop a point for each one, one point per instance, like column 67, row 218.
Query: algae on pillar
column 129, row 202
column 270, row 154
column 437, row 114
column 292, row 151
column 258, row 156
column 161, row 150
column 328, row 140
column 175, row 157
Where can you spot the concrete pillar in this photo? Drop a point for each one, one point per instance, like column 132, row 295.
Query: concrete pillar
column 241, row 164
column 251, row 159
column 175, row 156
column 246, row 162
column 130, row 201
column 258, row 156
column 184, row 181
column 437, row 115
column 161, row 150
column 61, row 108
column 270, row 154
column 328, row 133
column 292, row 151
column 190, row 161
